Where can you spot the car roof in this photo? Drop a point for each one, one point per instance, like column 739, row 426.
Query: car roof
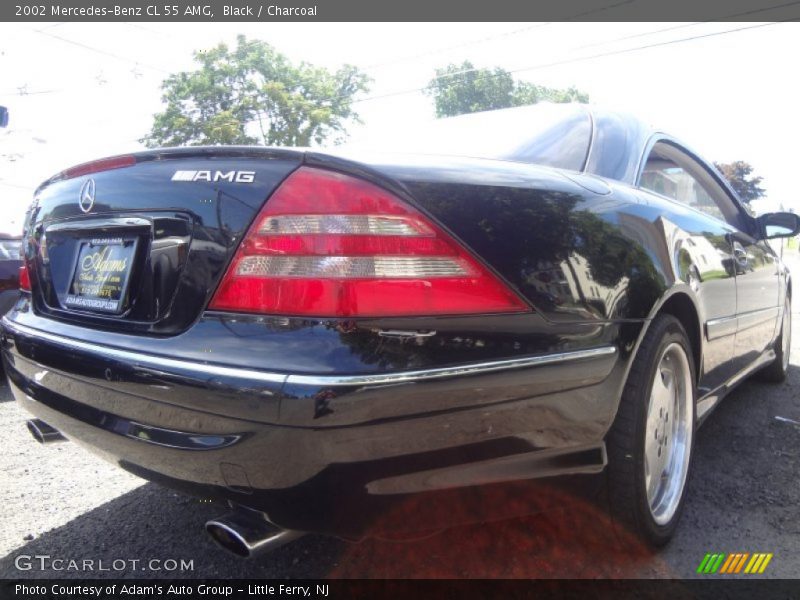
column 617, row 143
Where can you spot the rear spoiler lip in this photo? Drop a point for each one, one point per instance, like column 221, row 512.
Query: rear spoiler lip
column 156, row 154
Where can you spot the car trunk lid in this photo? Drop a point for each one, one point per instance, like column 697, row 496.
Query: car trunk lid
column 140, row 245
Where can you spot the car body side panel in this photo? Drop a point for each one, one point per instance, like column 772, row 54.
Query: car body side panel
column 613, row 255
column 758, row 297
column 578, row 255
column 561, row 245
column 738, row 334
column 699, row 249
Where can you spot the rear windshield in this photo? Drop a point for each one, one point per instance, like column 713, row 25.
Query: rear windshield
column 556, row 135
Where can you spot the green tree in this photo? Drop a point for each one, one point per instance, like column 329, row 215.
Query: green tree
column 253, row 94
column 739, row 175
column 461, row 89
column 529, row 93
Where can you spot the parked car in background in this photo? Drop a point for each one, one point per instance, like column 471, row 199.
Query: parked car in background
column 10, row 256
column 10, row 262
column 515, row 298
column 10, row 244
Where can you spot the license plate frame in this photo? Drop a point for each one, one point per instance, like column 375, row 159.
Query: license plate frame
column 102, row 273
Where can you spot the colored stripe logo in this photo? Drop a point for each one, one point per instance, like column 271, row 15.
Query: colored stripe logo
column 735, row 563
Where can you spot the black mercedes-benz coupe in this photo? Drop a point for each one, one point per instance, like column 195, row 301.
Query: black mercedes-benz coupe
column 532, row 297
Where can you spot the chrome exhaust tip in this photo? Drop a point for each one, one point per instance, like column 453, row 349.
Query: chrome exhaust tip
column 247, row 533
column 43, row 433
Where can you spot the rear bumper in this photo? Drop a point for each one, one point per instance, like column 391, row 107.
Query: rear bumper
column 322, row 453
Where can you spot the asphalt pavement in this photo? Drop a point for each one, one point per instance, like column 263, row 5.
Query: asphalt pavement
column 62, row 502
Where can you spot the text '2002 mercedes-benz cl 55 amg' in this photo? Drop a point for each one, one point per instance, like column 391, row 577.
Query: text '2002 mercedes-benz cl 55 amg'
column 546, row 297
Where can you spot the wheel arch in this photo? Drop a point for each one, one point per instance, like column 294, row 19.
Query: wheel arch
column 681, row 306
column 679, row 302
column 633, row 509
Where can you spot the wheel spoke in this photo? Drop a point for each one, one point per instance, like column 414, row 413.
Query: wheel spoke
column 662, row 392
column 668, row 433
column 653, row 485
column 651, row 457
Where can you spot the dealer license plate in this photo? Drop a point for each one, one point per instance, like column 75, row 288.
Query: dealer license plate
column 100, row 279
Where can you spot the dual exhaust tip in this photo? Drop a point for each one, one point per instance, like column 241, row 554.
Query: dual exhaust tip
column 247, row 533
column 43, row 433
column 243, row 532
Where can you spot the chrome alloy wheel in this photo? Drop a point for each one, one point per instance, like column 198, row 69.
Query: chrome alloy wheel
column 668, row 433
column 786, row 334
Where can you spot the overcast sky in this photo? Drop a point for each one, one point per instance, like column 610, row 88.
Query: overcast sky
column 80, row 91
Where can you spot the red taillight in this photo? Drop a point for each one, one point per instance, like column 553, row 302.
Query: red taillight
column 104, row 164
column 329, row 245
column 24, row 279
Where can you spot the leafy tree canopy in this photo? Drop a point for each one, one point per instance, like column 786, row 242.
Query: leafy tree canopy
column 461, row 89
column 253, row 94
column 739, row 175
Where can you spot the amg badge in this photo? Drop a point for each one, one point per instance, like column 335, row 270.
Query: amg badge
column 230, row 176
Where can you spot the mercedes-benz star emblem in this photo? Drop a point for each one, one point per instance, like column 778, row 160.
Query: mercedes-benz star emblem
column 86, row 198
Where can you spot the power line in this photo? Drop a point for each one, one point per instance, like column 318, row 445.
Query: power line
column 483, row 40
column 642, row 34
column 576, row 17
column 619, row 39
column 42, row 31
column 530, row 68
column 23, row 91
column 497, row 36
column 654, row 45
column 686, row 25
column 99, row 51
column 411, row 57
column 570, row 60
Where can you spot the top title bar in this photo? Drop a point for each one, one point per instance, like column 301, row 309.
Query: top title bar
column 405, row 10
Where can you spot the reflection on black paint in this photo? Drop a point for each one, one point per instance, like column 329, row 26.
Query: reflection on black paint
column 561, row 252
column 420, row 352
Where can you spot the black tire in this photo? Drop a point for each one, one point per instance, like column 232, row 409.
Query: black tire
column 775, row 372
column 629, row 506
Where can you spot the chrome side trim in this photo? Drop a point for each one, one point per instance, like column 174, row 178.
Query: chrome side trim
column 204, row 369
column 402, row 333
column 81, row 223
column 717, row 328
column 462, row 370
column 757, row 317
column 170, row 438
column 150, row 361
